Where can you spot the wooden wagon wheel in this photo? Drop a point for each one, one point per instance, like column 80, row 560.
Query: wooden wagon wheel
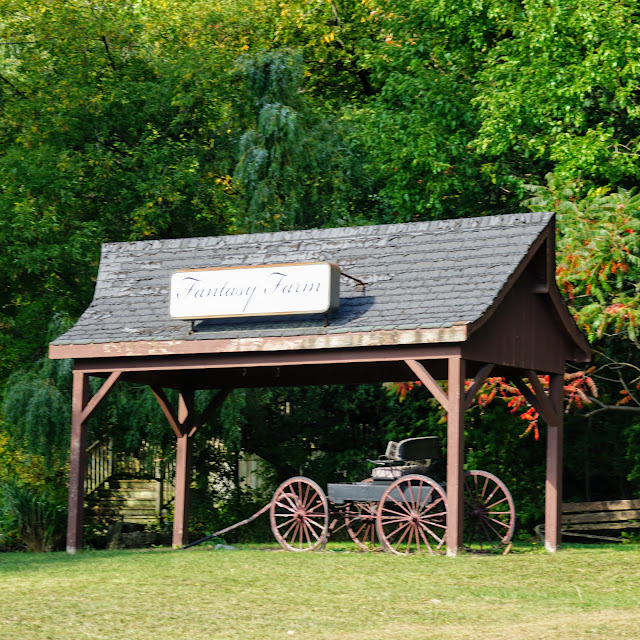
column 489, row 512
column 360, row 522
column 412, row 516
column 299, row 515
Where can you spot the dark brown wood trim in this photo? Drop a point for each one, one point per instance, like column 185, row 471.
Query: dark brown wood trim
column 78, row 460
column 169, row 414
column 544, row 236
column 548, row 412
column 478, row 381
column 184, row 449
column 582, row 350
column 430, row 383
column 182, row 481
column 210, row 409
column 100, row 395
column 553, row 483
column 539, row 402
column 186, row 409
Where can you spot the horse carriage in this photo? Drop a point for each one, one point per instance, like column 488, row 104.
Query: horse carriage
column 400, row 508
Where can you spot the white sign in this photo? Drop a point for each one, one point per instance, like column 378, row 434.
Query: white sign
column 255, row 291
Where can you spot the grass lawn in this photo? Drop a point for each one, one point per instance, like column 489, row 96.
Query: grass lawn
column 254, row 592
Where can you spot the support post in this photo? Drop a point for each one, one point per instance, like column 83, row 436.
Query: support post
column 183, row 471
column 78, row 461
column 185, row 425
column 455, row 455
column 181, row 502
column 553, row 485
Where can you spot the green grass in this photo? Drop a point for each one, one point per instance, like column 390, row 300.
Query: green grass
column 581, row 592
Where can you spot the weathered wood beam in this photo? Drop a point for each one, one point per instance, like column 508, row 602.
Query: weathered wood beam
column 210, row 409
column 455, row 456
column 429, row 382
column 483, row 373
column 78, row 461
column 548, row 411
column 539, row 402
column 100, row 395
column 553, row 483
column 169, row 414
column 184, row 447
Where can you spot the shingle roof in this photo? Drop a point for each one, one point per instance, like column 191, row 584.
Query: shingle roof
column 419, row 276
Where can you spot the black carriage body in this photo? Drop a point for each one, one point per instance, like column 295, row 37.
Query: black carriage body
column 339, row 493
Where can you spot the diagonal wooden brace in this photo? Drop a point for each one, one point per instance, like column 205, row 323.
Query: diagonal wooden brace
column 478, row 381
column 209, row 410
column 537, row 398
column 430, row 383
column 100, row 395
column 168, row 411
column 548, row 412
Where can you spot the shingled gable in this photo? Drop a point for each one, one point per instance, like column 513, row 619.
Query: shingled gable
column 426, row 283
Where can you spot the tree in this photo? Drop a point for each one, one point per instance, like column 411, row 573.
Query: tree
column 113, row 127
column 598, row 272
column 420, row 126
column 474, row 100
column 290, row 172
column 557, row 92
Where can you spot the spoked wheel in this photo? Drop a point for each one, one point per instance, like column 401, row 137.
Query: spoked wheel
column 412, row 516
column 489, row 512
column 299, row 515
column 360, row 522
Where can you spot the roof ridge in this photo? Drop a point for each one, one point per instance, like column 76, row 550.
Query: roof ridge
column 444, row 225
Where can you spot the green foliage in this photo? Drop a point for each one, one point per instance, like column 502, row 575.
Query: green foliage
column 35, row 519
column 106, row 134
column 295, row 167
column 476, row 99
column 558, row 90
column 420, row 128
column 599, row 255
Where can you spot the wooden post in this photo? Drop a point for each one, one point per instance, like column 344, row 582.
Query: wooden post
column 78, row 461
column 183, row 471
column 455, row 455
column 553, row 486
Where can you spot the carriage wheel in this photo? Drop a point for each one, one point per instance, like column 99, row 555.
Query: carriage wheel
column 360, row 522
column 299, row 515
column 412, row 516
column 489, row 512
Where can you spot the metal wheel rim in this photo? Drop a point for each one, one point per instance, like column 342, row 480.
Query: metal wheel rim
column 360, row 522
column 416, row 523
column 489, row 512
column 299, row 515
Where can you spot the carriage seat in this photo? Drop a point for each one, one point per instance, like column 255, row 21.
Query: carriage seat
column 417, row 455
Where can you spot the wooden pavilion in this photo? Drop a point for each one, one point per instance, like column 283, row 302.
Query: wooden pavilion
column 451, row 300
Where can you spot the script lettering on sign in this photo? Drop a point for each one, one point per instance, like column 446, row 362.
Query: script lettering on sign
column 255, row 291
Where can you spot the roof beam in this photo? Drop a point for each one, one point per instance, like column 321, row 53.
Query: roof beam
column 178, row 362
